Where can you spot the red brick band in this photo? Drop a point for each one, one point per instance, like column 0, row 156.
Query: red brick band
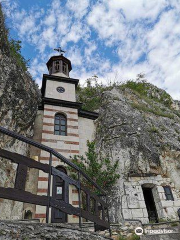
column 55, row 141
column 42, row 190
column 57, row 110
column 72, row 119
column 48, row 124
column 47, row 116
column 52, row 125
column 71, row 142
column 44, row 179
column 52, row 133
column 66, row 150
column 74, row 191
column 68, row 119
column 40, row 215
column 47, row 158
column 48, row 140
column 49, row 132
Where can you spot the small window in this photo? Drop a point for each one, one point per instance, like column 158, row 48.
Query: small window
column 57, row 66
column 168, row 193
column 64, row 68
column 60, row 125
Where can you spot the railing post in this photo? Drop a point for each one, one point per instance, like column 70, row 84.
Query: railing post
column 49, row 188
column 108, row 217
column 79, row 196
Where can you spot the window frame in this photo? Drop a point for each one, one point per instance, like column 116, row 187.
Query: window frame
column 169, row 196
column 64, row 67
column 57, row 66
column 62, row 117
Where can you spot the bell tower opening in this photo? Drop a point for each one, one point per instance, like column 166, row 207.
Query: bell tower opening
column 59, row 65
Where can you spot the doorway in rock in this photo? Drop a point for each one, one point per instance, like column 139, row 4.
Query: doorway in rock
column 150, row 204
column 60, row 191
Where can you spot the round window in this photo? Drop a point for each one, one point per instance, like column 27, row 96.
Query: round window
column 60, row 89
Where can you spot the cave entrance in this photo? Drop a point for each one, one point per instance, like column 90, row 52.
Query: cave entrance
column 150, row 204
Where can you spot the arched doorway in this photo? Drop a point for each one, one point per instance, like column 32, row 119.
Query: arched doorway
column 60, row 191
column 150, row 202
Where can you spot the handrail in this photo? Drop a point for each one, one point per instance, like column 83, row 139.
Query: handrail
column 50, row 150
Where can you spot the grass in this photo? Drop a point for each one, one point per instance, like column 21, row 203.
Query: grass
column 145, row 89
column 91, row 96
column 153, row 129
column 133, row 237
column 155, row 111
column 174, row 224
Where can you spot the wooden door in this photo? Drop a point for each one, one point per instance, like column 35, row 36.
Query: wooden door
column 60, row 191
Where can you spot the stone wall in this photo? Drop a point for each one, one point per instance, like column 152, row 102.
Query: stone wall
column 10, row 230
column 133, row 203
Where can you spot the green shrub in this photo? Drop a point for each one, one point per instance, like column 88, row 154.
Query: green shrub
column 153, row 129
column 10, row 46
column 145, row 89
column 155, row 111
column 100, row 170
column 133, row 237
column 15, row 51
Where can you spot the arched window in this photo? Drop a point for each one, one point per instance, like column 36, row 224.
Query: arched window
column 64, row 68
column 60, row 125
column 57, row 66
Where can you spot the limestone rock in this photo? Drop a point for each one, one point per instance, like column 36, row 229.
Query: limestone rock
column 19, row 98
column 142, row 133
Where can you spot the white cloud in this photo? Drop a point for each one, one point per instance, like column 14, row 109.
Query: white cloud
column 107, row 38
column 76, row 32
column 78, row 7
column 135, row 10
column 50, row 20
column 108, row 23
column 75, row 56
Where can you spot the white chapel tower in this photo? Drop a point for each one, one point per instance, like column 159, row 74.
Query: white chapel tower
column 62, row 125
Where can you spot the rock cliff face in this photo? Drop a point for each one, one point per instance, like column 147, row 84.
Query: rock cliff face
column 19, row 97
column 139, row 126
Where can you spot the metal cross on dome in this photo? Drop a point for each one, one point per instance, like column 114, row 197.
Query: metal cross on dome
column 59, row 50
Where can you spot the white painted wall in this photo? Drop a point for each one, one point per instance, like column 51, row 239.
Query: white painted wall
column 86, row 132
column 51, row 92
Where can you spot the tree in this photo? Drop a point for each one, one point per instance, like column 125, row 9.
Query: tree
column 15, row 50
column 100, row 170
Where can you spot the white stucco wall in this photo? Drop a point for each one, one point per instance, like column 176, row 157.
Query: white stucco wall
column 68, row 95
column 86, row 132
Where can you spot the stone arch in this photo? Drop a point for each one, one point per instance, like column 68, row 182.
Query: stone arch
column 148, row 185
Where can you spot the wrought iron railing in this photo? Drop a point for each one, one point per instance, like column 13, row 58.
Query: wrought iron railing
column 99, row 215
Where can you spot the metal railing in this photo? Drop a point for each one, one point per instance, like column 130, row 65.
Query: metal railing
column 99, row 215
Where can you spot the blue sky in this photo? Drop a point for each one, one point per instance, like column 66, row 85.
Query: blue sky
column 113, row 39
